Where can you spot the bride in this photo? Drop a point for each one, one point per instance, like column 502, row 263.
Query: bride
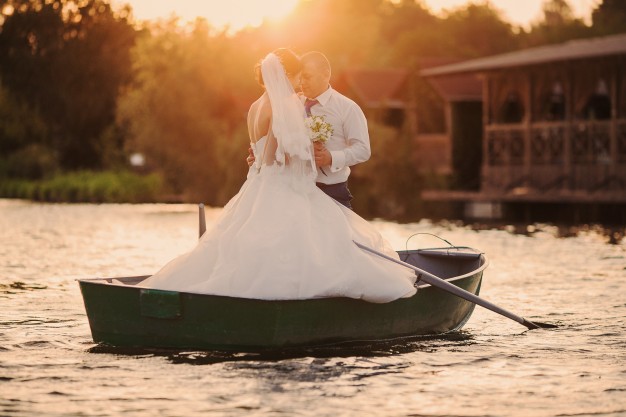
column 281, row 237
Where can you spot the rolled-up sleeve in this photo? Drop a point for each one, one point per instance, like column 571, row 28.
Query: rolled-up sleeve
column 357, row 140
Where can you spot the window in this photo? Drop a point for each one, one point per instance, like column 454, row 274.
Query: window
column 512, row 109
column 598, row 103
column 555, row 103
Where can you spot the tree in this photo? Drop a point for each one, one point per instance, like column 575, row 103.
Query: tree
column 557, row 13
column 558, row 25
column 67, row 59
column 478, row 30
column 24, row 151
column 413, row 30
column 609, row 17
column 186, row 109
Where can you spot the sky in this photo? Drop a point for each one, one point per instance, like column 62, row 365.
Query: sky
column 240, row 13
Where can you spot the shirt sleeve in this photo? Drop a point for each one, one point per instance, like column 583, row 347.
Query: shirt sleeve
column 357, row 140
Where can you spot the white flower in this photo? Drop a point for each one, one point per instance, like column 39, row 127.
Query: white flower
column 319, row 129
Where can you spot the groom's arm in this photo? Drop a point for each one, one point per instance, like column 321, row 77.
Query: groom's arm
column 357, row 139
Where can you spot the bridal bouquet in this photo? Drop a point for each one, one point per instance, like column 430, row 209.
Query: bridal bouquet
column 319, row 129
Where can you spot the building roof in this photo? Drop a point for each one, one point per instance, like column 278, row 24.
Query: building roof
column 464, row 87
column 376, row 87
column 572, row 50
column 457, row 87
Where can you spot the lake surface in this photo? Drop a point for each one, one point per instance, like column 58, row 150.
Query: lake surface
column 49, row 364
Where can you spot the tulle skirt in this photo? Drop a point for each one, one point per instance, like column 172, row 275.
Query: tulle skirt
column 281, row 238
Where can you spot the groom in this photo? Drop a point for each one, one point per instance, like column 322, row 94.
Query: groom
column 349, row 144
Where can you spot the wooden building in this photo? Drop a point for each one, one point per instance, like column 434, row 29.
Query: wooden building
column 400, row 98
column 450, row 151
column 554, row 123
column 382, row 93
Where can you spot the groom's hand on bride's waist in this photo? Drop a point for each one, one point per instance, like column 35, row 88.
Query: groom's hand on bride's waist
column 322, row 156
column 250, row 159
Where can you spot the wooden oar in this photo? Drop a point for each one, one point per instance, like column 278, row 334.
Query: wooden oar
column 202, row 220
column 459, row 292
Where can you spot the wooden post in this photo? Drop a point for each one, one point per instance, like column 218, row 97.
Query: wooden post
column 528, row 98
column 412, row 103
column 450, row 138
column 566, row 185
column 486, row 121
column 614, row 116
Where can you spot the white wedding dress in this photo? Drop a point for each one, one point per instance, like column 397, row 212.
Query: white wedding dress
column 282, row 238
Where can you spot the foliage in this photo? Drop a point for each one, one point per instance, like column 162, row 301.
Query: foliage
column 87, row 186
column 478, row 30
column 32, row 161
column 609, row 17
column 19, row 124
column 558, row 25
column 67, row 59
column 82, row 86
column 381, row 190
column 24, row 149
column 182, row 108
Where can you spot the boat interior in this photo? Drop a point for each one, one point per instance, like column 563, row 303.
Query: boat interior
column 447, row 263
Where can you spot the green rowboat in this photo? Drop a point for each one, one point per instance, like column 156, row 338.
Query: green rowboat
column 122, row 313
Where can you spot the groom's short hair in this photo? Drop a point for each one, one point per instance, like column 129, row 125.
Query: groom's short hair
column 318, row 59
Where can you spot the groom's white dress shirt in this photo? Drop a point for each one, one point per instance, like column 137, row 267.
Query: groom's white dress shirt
column 350, row 142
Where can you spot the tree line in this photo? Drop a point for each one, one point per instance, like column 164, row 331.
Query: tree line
column 83, row 84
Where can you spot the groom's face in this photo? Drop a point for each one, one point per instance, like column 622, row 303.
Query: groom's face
column 314, row 80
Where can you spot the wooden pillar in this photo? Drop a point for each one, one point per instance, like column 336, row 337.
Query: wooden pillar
column 412, row 103
column 528, row 98
column 568, row 129
column 614, row 116
column 486, row 122
column 450, row 143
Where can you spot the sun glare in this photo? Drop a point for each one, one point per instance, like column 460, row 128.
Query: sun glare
column 235, row 14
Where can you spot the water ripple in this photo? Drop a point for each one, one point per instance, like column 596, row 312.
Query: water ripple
column 567, row 276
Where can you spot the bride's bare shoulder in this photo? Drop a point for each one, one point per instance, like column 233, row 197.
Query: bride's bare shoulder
column 260, row 104
column 260, row 109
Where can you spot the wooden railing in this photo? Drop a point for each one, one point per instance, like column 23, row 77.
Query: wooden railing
column 545, row 156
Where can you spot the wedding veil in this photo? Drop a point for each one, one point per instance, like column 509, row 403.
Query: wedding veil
column 294, row 147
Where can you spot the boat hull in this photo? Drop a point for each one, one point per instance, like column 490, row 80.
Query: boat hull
column 128, row 315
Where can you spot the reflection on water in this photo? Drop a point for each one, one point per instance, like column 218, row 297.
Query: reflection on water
column 342, row 350
column 572, row 276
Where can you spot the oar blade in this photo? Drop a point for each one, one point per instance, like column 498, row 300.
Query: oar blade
column 538, row 325
column 444, row 285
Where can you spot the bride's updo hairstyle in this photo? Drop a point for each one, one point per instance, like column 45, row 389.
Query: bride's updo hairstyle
column 291, row 64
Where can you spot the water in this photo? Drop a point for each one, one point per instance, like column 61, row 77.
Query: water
column 50, row 366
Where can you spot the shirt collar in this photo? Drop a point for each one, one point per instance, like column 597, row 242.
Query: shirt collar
column 325, row 96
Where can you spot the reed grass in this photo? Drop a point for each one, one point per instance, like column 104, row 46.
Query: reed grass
column 87, row 186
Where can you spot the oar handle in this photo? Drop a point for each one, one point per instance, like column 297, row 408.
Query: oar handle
column 435, row 281
column 201, row 220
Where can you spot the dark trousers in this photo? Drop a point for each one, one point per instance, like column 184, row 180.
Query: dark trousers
column 337, row 192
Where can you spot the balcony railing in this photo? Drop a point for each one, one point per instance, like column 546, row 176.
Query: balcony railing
column 544, row 156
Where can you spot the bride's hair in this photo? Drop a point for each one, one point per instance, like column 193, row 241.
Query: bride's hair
column 291, row 64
